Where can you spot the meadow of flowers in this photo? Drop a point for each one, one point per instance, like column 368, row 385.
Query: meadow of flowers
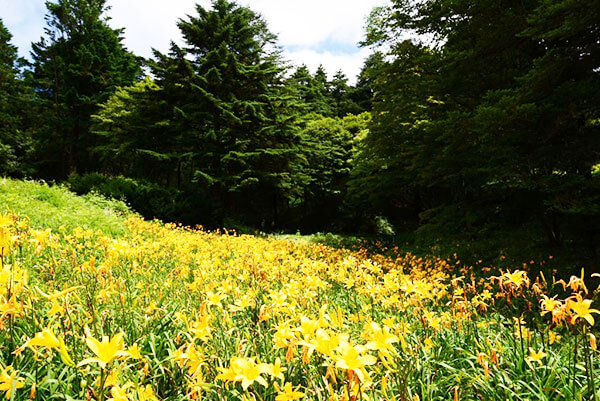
column 170, row 313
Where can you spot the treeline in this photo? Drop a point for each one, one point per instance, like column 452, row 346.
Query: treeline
column 217, row 131
column 471, row 121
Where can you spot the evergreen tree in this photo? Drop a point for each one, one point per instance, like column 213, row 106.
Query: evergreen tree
column 14, row 138
column 238, row 109
column 77, row 65
column 228, row 121
column 137, row 136
column 310, row 92
column 341, row 95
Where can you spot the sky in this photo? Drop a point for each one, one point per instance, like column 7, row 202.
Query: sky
column 311, row 32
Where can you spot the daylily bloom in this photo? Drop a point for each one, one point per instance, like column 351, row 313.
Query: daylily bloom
column 276, row 370
column 106, row 351
column 9, row 381
column 288, row 393
column 536, row 356
column 47, row 339
column 581, row 309
column 245, row 370
column 381, row 339
column 351, row 358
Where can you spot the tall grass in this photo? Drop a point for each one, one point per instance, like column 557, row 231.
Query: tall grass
column 55, row 206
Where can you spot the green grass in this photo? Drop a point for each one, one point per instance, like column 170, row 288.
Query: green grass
column 55, row 206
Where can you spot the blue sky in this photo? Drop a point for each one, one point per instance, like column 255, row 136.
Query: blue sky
column 312, row 32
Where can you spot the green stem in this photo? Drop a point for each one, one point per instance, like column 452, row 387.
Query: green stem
column 590, row 368
column 101, row 386
column 575, row 362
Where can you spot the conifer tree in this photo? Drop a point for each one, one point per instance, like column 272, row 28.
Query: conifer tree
column 229, row 121
column 14, row 138
column 341, row 94
column 311, row 94
column 235, row 106
column 77, row 65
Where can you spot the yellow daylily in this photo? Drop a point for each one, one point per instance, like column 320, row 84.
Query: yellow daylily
column 9, row 381
column 536, row 356
column 288, row 393
column 351, row 358
column 276, row 370
column 381, row 339
column 106, row 351
column 581, row 309
column 47, row 339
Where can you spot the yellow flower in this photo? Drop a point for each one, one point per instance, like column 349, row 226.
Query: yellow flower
column 549, row 304
column 146, row 394
column 9, row 381
column 245, row 370
column 214, row 299
column 381, row 339
column 47, row 339
column 351, row 358
column 106, row 351
column 593, row 344
column 276, row 370
column 6, row 220
column 581, row 309
column 119, row 393
column 134, row 352
column 516, row 278
column 192, row 358
column 288, row 393
column 536, row 356
column 201, row 328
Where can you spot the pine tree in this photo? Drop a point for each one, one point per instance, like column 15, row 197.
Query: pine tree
column 310, row 92
column 341, row 95
column 77, row 65
column 237, row 108
column 227, row 121
column 14, row 138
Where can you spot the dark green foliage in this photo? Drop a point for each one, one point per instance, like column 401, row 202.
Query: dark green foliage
column 310, row 92
column 138, row 138
column 328, row 147
column 489, row 127
column 149, row 199
column 14, row 103
column 335, row 98
column 77, row 65
column 218, row 116
column 364, row 92
column 341, row 94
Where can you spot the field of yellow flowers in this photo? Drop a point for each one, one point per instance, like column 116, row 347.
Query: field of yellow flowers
column 169, row 313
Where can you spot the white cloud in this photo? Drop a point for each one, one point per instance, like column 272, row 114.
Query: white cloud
column 311, row 31
column 304, row 27
column 25, row 21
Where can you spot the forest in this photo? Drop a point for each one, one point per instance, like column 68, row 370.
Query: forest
column 473, row 126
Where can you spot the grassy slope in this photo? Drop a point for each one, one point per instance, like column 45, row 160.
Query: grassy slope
column 55, row 206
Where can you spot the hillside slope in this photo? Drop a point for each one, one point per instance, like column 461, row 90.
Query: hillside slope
column 55, row 206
